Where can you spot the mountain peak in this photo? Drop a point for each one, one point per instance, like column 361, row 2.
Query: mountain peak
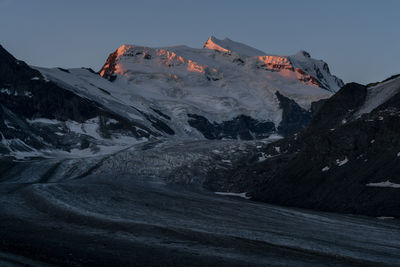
column 303, row 53
column 227, row 45
column 213, row 44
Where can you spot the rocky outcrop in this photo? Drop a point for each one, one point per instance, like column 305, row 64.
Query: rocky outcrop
column 36, row 113
column 241, row 127
column 108, row 69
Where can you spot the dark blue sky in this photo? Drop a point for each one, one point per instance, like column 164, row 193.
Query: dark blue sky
column 360, row 40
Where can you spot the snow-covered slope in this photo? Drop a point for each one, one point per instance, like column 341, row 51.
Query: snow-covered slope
column 227, row 45
column 218, row 84
column 379, row 94
column 308, row 70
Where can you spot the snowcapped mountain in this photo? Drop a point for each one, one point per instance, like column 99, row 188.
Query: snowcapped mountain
column 226, row 90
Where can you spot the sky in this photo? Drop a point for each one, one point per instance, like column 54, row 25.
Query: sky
column 359, row 39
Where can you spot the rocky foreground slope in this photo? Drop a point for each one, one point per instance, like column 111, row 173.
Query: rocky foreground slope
column 347, row 160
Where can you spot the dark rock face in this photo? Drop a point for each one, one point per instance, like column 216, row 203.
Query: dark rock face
column 305, row 53
column 107, row 71
column 26, row 95
column 307, row 78
column 64, row 70
column 157, row 123
column 161, row 114
column 241, row 127
column 294, row 118
column 340, row 106
column 328, row 165
column 317, row 105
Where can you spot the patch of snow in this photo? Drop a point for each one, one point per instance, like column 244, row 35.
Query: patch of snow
column 226, row 161
column 89, row 127
column 43, row 120
column 372, row 141
column 275, row 137
column 379, row 94
column 387, row 183
column 324, row 169
column 8, row 92
column 272, row 138
column 277, row 149
column 8, row 125
column 5, row 91
column 344, row 121
column 263, row 157
column 385, row 218
column 35, row 79
column 342, row 162
column 111, row 121
column 28, row 94
column 398, row 154
column 242, row 195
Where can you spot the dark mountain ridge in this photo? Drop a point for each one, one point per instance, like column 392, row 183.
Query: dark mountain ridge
column 344, row 161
